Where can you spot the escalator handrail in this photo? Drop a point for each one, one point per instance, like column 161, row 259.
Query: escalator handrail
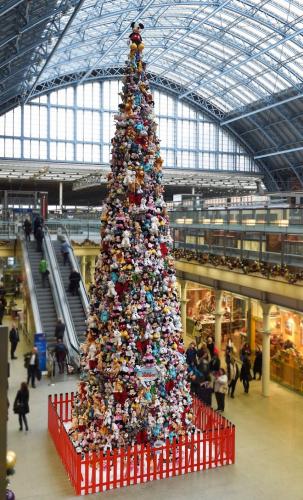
column 61, row 300
column 75, row 264
column 31, row 288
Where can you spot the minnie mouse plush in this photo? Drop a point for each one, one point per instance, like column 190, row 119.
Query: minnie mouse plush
column 135, row 36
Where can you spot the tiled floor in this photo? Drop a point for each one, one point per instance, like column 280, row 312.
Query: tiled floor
column 269, row 451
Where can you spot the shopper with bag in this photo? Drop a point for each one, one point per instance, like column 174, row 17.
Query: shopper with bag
column 43, row 269
column 21, row 406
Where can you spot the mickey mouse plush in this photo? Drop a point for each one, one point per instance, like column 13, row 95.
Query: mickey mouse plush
column 135, row 36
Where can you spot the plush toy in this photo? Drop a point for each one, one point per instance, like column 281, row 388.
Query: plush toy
column 135, row 37
column 126, row 241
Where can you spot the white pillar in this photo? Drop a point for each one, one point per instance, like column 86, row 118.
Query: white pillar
column 218, row 318
column 60, row 195
column 83, row 268
column 266, row 349
column 183, row 301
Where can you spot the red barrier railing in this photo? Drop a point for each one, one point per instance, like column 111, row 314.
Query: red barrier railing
column 212, row 445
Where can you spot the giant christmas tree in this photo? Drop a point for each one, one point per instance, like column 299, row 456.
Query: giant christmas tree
column 133, row 385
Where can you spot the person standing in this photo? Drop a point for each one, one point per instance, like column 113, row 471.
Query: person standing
column 233, row 377
column 215, row 363
column 61, row 354
column 74, row 280
column 191, row 354
column 32, row 365
column 39, row 238
column 2, row 309
column 245, row 351
column 59, row 330
column 245, row 374
column 210, row 344
column 257, row 368
column 43, row 269
column 21, row 406
column 27, row 227
column 220, row 389
column 14, row 339
column 65, row 248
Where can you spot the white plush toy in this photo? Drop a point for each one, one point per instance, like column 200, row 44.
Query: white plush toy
column 111, row 292
column 125, row 240
column 154, row 228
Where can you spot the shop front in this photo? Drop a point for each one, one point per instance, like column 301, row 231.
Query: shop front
column 201, row 305
column 286, row 346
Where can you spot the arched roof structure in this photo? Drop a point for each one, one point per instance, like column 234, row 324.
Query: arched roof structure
column 238, row 59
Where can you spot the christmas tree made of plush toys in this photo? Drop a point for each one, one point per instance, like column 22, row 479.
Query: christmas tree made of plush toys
column 133, row 386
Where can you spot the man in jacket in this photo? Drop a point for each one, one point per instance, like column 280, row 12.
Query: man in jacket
column 14, row 339
column 32, row 365
column 59, row 330
column 60, row 353
column 74, row 280
column 43, row 269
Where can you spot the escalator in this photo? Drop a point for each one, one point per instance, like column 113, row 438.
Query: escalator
column 49, row 303
column 78, row 304
column 43, row 296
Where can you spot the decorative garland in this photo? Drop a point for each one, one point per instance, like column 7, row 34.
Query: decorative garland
column 245, row 265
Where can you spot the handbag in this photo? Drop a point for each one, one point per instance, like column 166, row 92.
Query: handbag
column 18, row 407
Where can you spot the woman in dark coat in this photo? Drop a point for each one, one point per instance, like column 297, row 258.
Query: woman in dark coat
column 21, row 406
column 258, row 364
column 245, row 375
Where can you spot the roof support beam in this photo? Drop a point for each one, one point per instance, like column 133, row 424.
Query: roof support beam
column 264, row 108
column 76, row 9
column 277, row 153
column 107, row 51
column 253, row 57
column 9, row 6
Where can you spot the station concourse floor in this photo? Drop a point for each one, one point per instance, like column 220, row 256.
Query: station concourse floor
column 269, row 450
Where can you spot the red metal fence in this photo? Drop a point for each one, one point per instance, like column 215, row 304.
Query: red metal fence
column 212, row 445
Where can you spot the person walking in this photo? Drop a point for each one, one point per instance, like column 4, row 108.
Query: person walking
column 245, row 351
column 65, row 248
column 27, row 227
column 245, row 374
column 257, row 368
column 61, row 354
column 74, row 280
column 59, row 330
column 43, row 269
column 39, row 238
column 21, row 406
column 14, row 340
column 220, row 389
column 32, row 365
column 233, row 377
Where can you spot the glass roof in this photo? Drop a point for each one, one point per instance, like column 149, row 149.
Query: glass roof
column 230, row 52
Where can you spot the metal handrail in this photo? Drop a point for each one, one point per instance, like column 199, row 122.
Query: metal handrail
column 61, row 302
column 75, row 264
column 31, row 288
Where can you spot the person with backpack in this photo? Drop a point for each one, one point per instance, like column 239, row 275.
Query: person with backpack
column 21, row 406
column 39, row 238
column 233, row 377
column 43, row 269
column 60, row 352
